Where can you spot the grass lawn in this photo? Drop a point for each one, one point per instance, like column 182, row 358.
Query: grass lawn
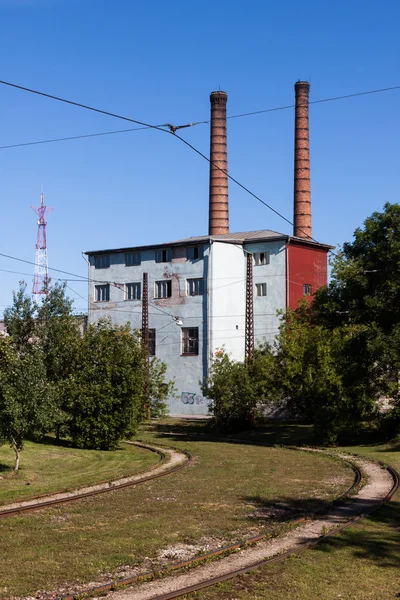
column 362, row 563
column 226, row 494
column 47, row 467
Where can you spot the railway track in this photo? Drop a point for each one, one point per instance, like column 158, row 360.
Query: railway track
column 156, row 574
column 58, row 498
column 226, row 551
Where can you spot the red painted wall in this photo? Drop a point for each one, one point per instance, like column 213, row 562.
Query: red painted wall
column 305, row 264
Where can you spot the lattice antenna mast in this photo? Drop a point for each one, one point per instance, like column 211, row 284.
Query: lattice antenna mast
column 41, row 275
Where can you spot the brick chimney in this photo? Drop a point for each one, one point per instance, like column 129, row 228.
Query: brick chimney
column 219, row 207
column 302, row 188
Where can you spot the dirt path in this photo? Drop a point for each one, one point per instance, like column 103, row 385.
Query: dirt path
column 173, row 459
column 379, row 483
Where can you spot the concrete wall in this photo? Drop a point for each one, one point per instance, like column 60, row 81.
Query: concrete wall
column 266, row 321
column 227, row 289
column 186, row 370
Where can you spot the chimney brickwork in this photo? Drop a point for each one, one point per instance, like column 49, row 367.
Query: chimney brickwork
column 302, row 186
column 219, row 204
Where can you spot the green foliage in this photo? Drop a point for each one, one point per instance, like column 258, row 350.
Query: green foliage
column 160, row 389
column 19, row 318
column 233, row 396
column 26, row 397
column 106, row 390
column 326, row 375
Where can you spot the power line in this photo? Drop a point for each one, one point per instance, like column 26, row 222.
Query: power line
column 171, row 131
column 238, row 116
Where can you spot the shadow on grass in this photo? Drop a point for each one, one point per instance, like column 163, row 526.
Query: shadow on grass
column 376, row 538
column 371, row 540
column 5, row 468
column 286, row 509
column 297, row 434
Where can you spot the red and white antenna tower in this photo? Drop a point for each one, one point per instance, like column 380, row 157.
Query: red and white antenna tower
column 41, row 276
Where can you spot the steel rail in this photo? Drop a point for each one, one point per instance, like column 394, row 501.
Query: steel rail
column 306, row 545
column 149, row 575
column 112, row 487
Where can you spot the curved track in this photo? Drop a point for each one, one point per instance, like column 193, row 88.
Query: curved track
column 55, row 499
column 111, row 586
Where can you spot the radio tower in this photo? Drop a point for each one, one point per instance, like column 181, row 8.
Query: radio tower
column 41, row 276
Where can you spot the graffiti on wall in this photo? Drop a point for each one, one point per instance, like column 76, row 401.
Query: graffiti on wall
column 191, row 398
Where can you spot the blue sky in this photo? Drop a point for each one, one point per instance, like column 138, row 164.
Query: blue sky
column 158, row 62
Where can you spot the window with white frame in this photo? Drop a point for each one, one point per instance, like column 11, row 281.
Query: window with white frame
column 132, row 259
column 132, row 291
column 190, row 340
column 163, row 289
column 102, row 261
column 195, row 287
column 152, row 342
column 194, row 252
column 163, row 255
column 307, row 289
column 102, row 293
column 261, row 258
column 261, row 289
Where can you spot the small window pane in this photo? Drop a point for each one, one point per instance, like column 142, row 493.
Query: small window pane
column 194, row 252
column 163, row 289
column 152, row 342
column 307, row 289
column 132, row 291
column 261, row 258
column 102, row 261
column 190, row 340
column 163, row 255
column 261, row 289
column 195, row 287
column 102, row 293
column 132, row 259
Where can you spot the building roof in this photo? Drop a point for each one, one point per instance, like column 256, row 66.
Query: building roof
column 261, row 235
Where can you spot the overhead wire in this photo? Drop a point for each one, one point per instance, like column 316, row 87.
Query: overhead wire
column 247, row 114
column 172, row 131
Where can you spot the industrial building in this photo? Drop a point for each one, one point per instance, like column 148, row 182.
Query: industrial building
column 217, row 290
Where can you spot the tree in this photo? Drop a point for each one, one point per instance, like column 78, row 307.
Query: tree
column 19, row 318
column 58, row 332
column 365, row 290
column 106, row 390
column 326, row 376
column 26, row 397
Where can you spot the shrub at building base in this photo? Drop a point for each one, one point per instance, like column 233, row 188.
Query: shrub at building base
column 233, row 396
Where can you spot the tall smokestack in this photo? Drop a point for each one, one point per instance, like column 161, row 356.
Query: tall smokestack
column 302, row 188
column 219, row 206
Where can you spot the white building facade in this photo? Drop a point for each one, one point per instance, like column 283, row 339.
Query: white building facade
column 197, row 299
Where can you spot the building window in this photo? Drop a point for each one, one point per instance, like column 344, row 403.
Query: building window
column 261, row 289
column 102, row 261
column 132, row 259
column 307, row 289
column 132, row 291
column 152, row 342
column 190, row 340
column 163, row 289
column 102, row 293
column 194, row 253
column 195, row 287
column 163, row 255
column 261, row 258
